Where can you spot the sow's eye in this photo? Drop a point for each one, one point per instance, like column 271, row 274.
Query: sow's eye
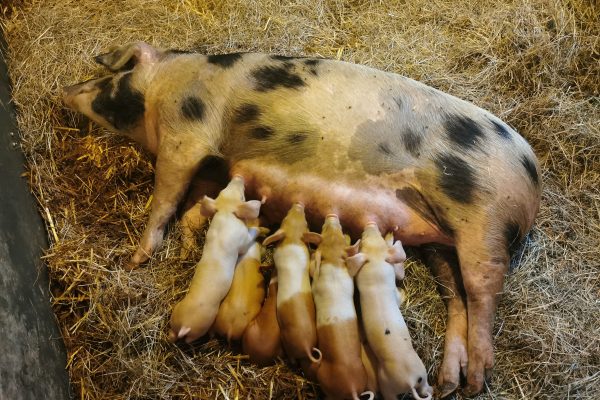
column 123, row 109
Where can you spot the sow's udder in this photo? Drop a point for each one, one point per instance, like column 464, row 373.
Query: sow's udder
column 355, row 201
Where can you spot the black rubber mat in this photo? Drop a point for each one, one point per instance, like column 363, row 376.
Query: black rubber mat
column 32, row 354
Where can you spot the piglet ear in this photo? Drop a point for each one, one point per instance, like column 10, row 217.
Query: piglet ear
column 311, row 237
column 399, row 271
column 396, row 254
column 248, row 210
column 276, row 237
column 355, row 263
column 126, row 57
column 347, row 239
column 352, row 250
column 208, row 206
column 389, row 238
column 262, row 231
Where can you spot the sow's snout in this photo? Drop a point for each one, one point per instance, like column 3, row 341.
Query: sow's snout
column 75, row 95
column 69, row 93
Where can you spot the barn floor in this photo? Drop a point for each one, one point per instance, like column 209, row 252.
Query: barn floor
column 536, row 64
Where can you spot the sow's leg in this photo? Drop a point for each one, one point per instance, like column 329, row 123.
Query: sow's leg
column 174, row 171
column 483, row 265
column 210, row 179
column 443, row 263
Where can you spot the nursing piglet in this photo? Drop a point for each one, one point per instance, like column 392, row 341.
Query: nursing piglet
column 399, row 368
column 244, row 299
column 295, row 306
column 340, row 370
column 227, row 238
column 262, row 337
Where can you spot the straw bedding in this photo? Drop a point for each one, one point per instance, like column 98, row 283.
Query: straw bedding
column 536, row 64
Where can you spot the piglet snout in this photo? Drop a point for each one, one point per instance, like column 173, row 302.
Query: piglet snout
column 422, row 390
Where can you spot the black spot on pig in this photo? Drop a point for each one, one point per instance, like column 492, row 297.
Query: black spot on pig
column 512, row 236
column 418, row 203
column 531, row 169
column 456, row 178
column 271, row 77
column 104, row 84
column 398, row 102
column 224, row 60
column 246, row 113
column 443, row 223
column 312, row 63
column 178, row 51
column 192, row 108
column 384, row 148
column 387, row 331
column 262, row 132
column 125, row 108
column 412, row 142
column 500, row 129
column 282, row 57
column 463, row 131
column 297, row 137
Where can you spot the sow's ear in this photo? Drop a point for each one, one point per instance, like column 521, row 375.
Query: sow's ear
column 126, row 57
column 208, row 206
column 248, row 210
column 396, row 254
column 355, row 263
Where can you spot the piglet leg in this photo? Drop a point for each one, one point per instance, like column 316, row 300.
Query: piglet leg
column 172, row 179
column 444, row 266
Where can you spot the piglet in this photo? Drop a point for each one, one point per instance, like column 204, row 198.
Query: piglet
column 262, row 338
column 399, row 368
column 295, row 306
column 244, row 299
column 227, row 238
column 340, row 370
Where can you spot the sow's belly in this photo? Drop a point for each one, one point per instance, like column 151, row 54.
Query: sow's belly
column 355, row 201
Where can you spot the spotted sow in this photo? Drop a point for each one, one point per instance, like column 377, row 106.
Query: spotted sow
column 339, row 138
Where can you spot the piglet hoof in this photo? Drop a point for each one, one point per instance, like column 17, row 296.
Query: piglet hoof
column 131, row 265
column 173, row 337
